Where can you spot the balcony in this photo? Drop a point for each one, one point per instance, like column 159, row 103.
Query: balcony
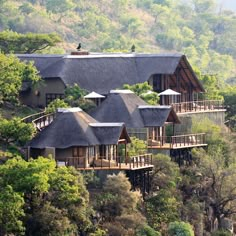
column 178, row 141
column 198, row 106
column 103, row 163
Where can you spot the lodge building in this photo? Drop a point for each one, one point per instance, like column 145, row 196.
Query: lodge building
column 76, row 139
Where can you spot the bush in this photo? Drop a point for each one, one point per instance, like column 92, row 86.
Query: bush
column 57, row 103
column 148, row 231
column 180, row 229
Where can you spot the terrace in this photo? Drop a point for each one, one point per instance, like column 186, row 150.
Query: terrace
column 198, row 106
column 109, row 163
column 178, row 141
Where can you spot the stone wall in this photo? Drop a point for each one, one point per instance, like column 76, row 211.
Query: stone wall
column 187, row 119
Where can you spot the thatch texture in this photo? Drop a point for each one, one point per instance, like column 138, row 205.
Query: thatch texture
column 103, row 72
column 133, row 111
column 77, row 129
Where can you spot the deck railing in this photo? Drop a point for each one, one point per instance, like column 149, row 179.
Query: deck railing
column 134, row 162
column 43, row 121
column 30, row 118
column 178, row 141
column 196, row 106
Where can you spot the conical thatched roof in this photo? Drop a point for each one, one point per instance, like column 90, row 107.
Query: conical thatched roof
column 77, row 128
column 133, row 111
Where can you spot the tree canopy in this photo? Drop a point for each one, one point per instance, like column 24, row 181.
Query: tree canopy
column 39, row 199
column 13, row 42
column 12, row 74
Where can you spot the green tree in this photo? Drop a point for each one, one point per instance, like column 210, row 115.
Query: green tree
column 12, row 42
column 143, row 90
column 11, row 211
column 74, row 96
column 148, row 231
column 15, row 130
column 69, row 192
column 55, row 104
column 136, row 147
column 216, row 184
column 74, row 92
column 165, row 174
column 55, row 198
column 180, row 229
column 161, row 209
column 118, row 206
column 120, row 200
column 50, row 220
column 12, row 73
column 229, row 95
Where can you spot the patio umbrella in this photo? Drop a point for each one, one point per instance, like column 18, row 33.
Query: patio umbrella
column 169, row 92
column 94, row 95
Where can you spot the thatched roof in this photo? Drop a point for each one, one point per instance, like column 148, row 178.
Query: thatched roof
column 133, row 111
column 77, row 128
column 103, row 72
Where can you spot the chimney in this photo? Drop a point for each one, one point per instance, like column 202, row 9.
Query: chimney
column 80, row 53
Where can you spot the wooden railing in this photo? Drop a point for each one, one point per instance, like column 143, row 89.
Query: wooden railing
column 179, row 141
column 196, row 106
column 140, row 161
column 30, row 118
column 43, row 121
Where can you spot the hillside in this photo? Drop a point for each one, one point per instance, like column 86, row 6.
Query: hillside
column 197, row 28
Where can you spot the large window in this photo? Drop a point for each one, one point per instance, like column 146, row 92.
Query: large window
column 52, row 96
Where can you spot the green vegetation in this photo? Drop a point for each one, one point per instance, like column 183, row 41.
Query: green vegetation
column 12, row 74
column 39, row 199
column 36, row 198
column 180, row 229
column 74, row 97
column 118, row 208
column 57, row 103
column 136, row 147
column 12, row 42
column 144, row 90
column 15, row 131
column 200, row 29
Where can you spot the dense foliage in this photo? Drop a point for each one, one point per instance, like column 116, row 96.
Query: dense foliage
column 39, row 199
column 144, row 90
column 16, row 131
column 201, row 29
column 12, row 74
column 12, row 42
column 74, row 97
column 180, row 229
column 118, row 208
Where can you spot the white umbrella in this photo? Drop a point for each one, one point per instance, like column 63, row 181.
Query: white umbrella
column 94, row 95
column 169, row 92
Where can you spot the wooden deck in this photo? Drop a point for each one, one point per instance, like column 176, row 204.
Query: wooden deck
column 198, row 106
column 119, row 163
column 179, row 142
